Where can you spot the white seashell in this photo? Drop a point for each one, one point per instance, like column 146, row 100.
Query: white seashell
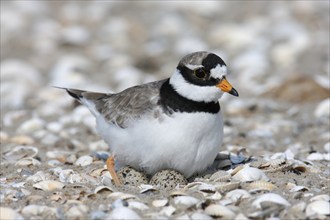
column 137, row 205
column 9, row 214
column 250, row 174
column 84, row 161
column 38, row 210
column 20, row 152
column 225, row 187
column 49, row 185
column 27, row 162
column 186, row 201
column 220, row 176
column 101, row 189
column 177, row 193
column 270, row 197
column 237, row 195
column 160, row 202
column 31, row 125
column 122, row 213
column 147, row 188
column 37, row 177
column 167, row 210
column 200, row 216
column 122, row 196
column 241, row 216
column 323, row 109
column 322, row 197
column 294, row 188
column 219, row 211
column 215, row 196
column 319, row 207
column 208, row 188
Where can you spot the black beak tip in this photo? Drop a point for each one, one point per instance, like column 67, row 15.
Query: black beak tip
column 233, row 92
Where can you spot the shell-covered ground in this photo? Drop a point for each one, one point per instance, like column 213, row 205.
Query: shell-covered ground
column 274, row 162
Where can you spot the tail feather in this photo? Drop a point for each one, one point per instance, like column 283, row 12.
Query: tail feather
column 86, row 98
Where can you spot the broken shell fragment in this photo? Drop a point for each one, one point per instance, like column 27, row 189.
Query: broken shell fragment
column 101, row 189
column 249, row 174
column 319, row 207
column 219, row 211
column 260, row 185
column 186, row 201
column 270, row 198
column 49, row 185
column 160, row 202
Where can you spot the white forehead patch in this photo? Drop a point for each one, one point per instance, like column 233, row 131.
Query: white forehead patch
column 218, row 71
column 192, row 67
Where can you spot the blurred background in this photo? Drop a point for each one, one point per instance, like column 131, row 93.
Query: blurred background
column 111, row 45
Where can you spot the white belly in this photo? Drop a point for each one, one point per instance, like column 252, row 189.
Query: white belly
column 186, row 142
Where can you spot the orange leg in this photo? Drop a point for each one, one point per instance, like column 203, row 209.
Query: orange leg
column 111, row 167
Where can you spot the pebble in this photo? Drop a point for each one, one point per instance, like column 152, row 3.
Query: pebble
column 84, row 161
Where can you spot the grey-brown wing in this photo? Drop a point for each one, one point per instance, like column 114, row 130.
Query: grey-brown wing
column 130, row 104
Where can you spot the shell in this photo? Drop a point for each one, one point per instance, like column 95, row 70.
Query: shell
column 178, row 193
column 49, row 185
column 38, row 176
column 101, row 189
column 322, row 197
column 214, row 196
column 20, row 152
column 84, row 161
column 248, row 174
column 120, row 195
column 9, row 214
column 123, row 213
column 167, row 210
column 219, row 211
column 225, row 187
column 237, row 194
column 220, row 176
column 160, row 202
column 27, row 162
column 319, row 207
column 147, row 188
column 260, row 185
column 271, row 198
column 185, row 201
column 294, row 188
column 137, row 205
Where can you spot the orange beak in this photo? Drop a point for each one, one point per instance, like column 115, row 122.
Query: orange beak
column 225, row 86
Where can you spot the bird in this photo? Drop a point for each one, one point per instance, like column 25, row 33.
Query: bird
column 174, row 123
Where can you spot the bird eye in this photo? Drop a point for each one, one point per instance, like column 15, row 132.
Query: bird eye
column 200, row 73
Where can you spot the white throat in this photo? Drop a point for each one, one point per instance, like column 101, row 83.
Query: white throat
column 194, row 92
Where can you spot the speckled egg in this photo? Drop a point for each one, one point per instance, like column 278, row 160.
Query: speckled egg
column 129, row 176
column 168, row 179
